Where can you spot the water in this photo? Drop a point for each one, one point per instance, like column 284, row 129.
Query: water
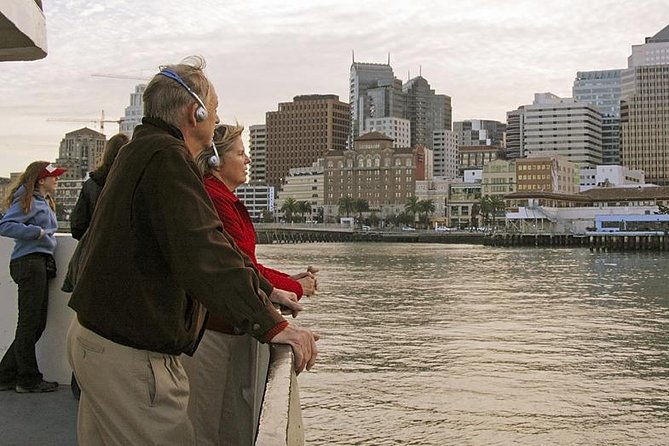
column 470, row 345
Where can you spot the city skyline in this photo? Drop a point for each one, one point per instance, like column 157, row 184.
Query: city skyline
column 490, row 57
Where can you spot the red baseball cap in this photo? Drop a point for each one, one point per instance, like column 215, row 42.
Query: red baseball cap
column 50, row 171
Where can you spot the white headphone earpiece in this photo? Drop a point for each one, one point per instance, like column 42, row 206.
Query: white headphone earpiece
column 214, row 160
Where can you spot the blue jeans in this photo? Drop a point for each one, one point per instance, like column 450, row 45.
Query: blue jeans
column 20, row 363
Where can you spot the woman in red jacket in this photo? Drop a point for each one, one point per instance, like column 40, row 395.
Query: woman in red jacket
column 221, row 371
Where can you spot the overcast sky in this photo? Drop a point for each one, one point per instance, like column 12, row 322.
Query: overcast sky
column 490, row 56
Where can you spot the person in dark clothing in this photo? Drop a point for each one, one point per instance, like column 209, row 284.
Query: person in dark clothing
column 31, row 221
column 81, row 215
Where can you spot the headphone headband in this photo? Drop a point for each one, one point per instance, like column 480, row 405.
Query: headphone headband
column 201, row 112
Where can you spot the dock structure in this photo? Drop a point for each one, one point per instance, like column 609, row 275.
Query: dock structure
column 284, row 233
column 595, row 242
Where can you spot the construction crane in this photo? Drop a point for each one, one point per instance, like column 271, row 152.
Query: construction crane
column 121, row 76
column 100, row 121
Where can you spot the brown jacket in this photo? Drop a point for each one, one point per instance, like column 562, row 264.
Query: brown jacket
column 156, row 250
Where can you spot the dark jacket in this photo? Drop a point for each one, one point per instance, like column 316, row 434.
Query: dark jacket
column 155, row 245
column 81, row 215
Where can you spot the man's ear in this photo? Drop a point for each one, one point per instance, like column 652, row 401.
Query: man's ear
column 192, row 120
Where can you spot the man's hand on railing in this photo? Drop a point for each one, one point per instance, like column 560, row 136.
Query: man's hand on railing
column 287, row 302
column 303, row 343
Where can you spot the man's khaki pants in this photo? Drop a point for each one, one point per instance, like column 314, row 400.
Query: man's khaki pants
column 128, row 396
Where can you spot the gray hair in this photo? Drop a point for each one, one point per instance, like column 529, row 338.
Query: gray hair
column 224, row 137
column 165, row 99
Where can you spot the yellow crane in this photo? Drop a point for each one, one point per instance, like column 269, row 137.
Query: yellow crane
column 100, row 121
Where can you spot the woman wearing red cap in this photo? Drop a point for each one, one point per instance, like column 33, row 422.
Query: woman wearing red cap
column 31, row 221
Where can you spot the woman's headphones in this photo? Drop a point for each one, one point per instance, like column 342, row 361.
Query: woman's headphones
column 201, row 112
column 214, row 161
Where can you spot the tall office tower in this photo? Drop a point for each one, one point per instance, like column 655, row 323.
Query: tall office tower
column 479, row 132
column 445, row 154
column 134, row 112
column 397, row 128
column 363, row 77
column 80, row 152
column 426, row 110
column 515, row 124
column 644, row 109
column 302, row 131
column 258, row 152
column 602, row 89
column 563, row 126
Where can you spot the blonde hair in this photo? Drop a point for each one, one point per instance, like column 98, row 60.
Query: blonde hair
column 28, row 180
column 165, row 99
column 224, row 137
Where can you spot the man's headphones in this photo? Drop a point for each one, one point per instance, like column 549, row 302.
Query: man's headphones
column 214, row 161
column 201, row 112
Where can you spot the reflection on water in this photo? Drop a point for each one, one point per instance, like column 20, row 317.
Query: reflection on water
column 451, row 344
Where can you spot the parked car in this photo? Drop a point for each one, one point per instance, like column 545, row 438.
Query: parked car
column 442, row 229
column 366, row 228
column 408, row 228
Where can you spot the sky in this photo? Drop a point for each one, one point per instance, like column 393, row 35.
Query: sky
column 490, row 56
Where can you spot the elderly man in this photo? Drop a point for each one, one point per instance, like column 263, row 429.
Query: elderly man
column 156, row 254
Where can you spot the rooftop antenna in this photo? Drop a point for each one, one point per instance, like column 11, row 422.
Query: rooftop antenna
column 408, row 75
column 420, row 70
column 353, row 56
column 388, row 58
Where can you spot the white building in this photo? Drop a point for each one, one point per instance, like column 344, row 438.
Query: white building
column 655, row 51
column 610, row 176
column 305, row 184
column 134, row 112
column 396, row 128
column 563, row 126
column 436, row 190
column 258, row 152
column 257, row 197
column 445, row 152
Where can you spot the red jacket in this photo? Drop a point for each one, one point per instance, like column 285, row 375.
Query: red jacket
column 237, row 222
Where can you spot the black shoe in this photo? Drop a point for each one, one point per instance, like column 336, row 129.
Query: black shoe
column 8, row 386
column 44, row 386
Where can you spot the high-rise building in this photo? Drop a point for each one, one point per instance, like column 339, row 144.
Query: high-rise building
column 376, row 93
column 515, row 125
column 479, row 132
column 396, row 128
column 258, row 152
column 445, row 154
column 80, row 152
column 426, row 110
column 302, row 131
column 644, row 110
column 363, row 77
column 602, row 90
column 133, row 112
column 563, row 126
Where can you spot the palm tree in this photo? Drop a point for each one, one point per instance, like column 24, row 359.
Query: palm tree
column 289, row 207
column 427, row 208
column 412, row 207
column 303, row 207
column 360, row 205
column 346, row 204
column 497, row 204
column 485, row 208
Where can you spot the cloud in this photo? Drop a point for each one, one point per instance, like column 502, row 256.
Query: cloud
column 489, row 56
